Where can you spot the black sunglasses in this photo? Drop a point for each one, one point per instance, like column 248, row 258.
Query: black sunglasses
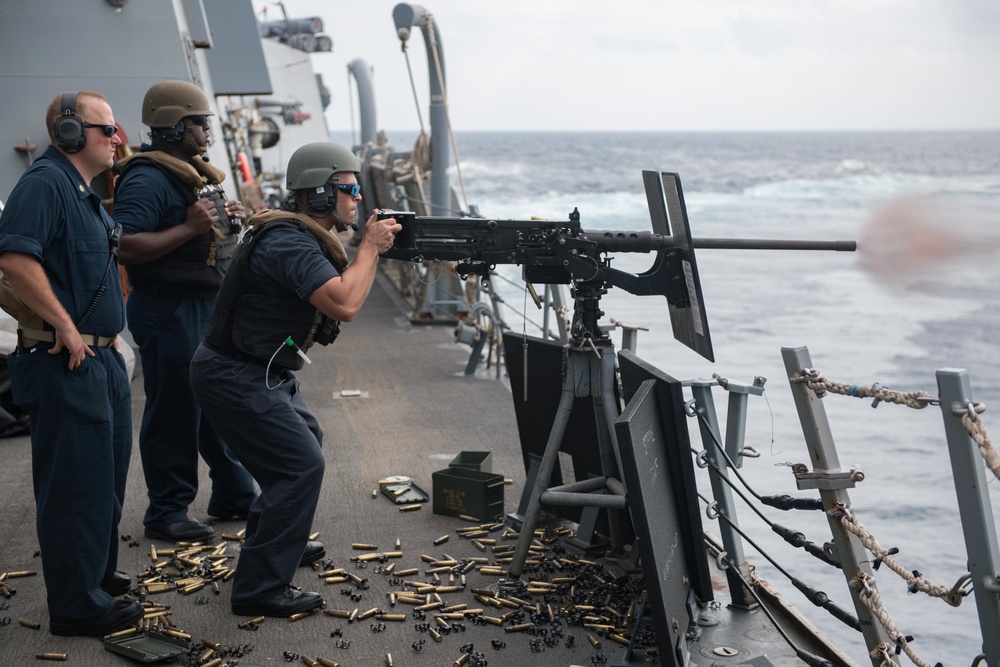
column 108, row 130
column 199, row 120
column 350, row 189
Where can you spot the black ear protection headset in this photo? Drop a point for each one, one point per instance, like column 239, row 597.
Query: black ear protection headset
column 171, row 135
column 70, row 134
column 322, row 200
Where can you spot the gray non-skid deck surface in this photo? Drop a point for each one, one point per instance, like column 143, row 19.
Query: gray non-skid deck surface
column 415, row 414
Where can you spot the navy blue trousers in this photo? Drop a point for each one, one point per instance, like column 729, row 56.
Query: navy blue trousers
column 276, row 436
column 173, row 431
column 81, row 443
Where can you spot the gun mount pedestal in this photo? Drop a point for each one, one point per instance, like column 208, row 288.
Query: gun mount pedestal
column 588, row 371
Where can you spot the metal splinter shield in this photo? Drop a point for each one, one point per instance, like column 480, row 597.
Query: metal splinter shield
column 680, row 270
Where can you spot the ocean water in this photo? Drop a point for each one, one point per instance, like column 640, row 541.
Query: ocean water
column 922, row 293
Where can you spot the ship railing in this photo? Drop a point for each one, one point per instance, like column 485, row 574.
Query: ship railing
column 968, row 446
column 849, row 550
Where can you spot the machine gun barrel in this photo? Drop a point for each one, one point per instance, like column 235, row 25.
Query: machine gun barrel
column 620, row 241
column 773, row 244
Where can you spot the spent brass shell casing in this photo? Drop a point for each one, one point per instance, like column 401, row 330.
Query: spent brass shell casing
column 361, row 546
column 520, row 627
column 29, row 624
column 466, row 517
column 337, row 613
column 409, row 508
column 393, row 554
column 388, row 660
column 19, row 574
column 435, row 634
column 52, row 656
column 332, row 573
column 368, row 614
column 392, row 617
column 407, row 572
column 454, row 607
column 175, row 633
column 207, row 654
column 399, row 543
column 462, row 659
column 334, row 580
column 428, row 606
column 389, row 568
column 374, row 493
column 327, row 662
column 618, row 639
column 215, row 645
column 309, row 661
column 594, row 641
column 441, row 540
column 122, row 633
column 452, row 615
column 353, row 615
column 300, row 615
column 255, row 620
column 214, row 663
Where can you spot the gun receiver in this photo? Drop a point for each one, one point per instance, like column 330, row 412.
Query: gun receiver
column 561, row 252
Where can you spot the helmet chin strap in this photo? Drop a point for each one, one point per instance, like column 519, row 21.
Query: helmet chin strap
column 192, row 145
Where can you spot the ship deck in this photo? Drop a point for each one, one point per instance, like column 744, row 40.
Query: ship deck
column 416, row 411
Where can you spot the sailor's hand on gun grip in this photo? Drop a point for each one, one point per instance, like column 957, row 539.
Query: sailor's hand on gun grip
column 381, row 233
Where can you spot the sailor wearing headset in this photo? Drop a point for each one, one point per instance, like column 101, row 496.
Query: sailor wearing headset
column 289, row 286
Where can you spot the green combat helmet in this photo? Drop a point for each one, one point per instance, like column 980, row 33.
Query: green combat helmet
column 312, row 165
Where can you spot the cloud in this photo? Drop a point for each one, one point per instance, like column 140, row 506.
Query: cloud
column 680, row 65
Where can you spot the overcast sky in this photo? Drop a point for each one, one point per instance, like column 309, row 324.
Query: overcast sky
column 676, row 64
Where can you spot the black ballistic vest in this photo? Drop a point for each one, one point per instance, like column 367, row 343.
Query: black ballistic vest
column 204, row 259
column 247, row 322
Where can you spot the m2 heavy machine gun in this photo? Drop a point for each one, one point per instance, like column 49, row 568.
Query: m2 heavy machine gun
column 562, row 252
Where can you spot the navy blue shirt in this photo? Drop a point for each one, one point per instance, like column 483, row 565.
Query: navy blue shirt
column 288, row 260
column 146, row 200
column 54, row 216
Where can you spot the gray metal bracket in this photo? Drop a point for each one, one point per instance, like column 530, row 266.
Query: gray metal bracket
column 974, row 506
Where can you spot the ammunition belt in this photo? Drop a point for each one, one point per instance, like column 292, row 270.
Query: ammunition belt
column 31, row 337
